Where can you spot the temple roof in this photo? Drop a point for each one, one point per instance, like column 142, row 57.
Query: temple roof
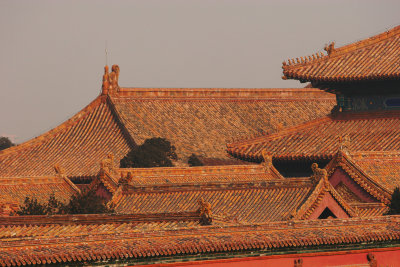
column 375, row 58
column 197, row 121
column 95, row 238
column 319, row 139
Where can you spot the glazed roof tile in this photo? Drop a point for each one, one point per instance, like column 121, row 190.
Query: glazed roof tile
column 159, row 177
column 254, row 202
column 197, row 121
column 113, row 241
column 382, row 167
column 199, row 175
column 346, row 161
column 365, row 210
column 76, row 145
column 201, row 121
column 14, row 190
column 318, row 139
column 375, row 58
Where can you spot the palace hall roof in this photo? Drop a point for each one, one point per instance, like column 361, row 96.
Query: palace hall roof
column 247, row 193
column 197, row 121
column 76, row 145
column 94, row 238
column 253, row 202
column 202, row 121
column 375, row 58
column 14, row 190
column 318, row 139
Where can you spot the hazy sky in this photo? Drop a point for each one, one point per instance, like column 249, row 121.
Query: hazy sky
column 52, row 52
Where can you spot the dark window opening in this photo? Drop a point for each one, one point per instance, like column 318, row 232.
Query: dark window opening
column 393, row 102
column 82, row 179
column 300, row 168
column 327, row 213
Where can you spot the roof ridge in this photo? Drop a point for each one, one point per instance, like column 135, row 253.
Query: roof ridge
column 376, row 154
column 194, row 169
column 223, row 93
column 56, row 130
column 366, row 115
column 98, row 218
column 319, row 56
column 119, row 121
column 31, row 179
column 257, row 184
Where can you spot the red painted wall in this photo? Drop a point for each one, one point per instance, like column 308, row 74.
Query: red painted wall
column 341, row 176
column 103, row 192
column 329, row 202
column 385, row 257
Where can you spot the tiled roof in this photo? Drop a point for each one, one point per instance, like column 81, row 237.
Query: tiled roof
column 202, row 121
column 371, row 184
column 322, row 189
column 382, row 167
column 375, row 58
column 159, row 177
column 256, row 201
column 197, row 121
column 365, row 210
column 77, row 145
column 199, row 175
column 72, row 242
column 318, row 139
column 14, row 190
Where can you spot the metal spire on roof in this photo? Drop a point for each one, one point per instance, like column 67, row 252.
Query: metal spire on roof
column 106, row 52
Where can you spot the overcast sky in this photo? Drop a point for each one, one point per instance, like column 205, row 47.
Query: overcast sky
column 52, row 52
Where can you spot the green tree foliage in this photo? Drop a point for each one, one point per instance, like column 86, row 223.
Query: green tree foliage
column 154, row 152
column 32, row 207
column 54, row 206
column 86, row 202
column 194, row 161
column 394, row 206
column 5, row 143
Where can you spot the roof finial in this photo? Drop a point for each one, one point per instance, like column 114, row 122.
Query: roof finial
column 318, row 173
column 205, row 212
column 124, row 180
column 107, row 164
column 344, row 142
column 106, row 83
column 267, row 156
column 60, row 171
column 110, row 80
column 330, row 49
column 114, row 75
column 106, row 52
